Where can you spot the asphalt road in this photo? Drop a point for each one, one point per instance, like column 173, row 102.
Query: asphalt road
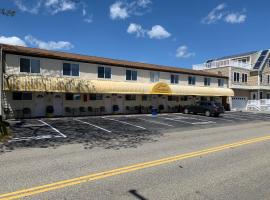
column 238, row 171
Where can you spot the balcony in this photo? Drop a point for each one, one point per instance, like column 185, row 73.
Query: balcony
column 222, row 63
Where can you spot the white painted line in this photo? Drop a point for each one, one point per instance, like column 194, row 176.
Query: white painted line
column 208, row 122
column 34, row 138
column 154, row 122
column 92, row 125
column 124, row 122
column 205, row 117
column 56, row 130
column 176, row 120
column 232, row 117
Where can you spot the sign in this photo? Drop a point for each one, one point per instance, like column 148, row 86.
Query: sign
column 161, row 88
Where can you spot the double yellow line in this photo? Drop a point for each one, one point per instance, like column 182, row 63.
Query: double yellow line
column 123, row 170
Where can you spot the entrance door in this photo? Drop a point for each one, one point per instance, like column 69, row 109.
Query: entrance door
column 108, row 103
column 39, row 105
column 58, row 104
column 119, row 100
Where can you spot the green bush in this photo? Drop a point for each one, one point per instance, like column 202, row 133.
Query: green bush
column 4, row 131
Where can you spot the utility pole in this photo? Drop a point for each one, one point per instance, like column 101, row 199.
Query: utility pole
column 1, row 81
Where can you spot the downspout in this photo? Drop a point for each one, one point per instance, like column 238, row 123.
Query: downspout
column 1, row 82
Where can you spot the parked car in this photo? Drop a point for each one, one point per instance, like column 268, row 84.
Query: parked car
column 209, row 108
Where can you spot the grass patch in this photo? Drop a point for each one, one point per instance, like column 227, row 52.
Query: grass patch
column 4, row 131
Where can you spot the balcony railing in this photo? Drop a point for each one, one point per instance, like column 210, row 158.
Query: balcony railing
column 222, row 63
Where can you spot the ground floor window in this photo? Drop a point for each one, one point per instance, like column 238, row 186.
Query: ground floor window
column 22, row 96
column 130, row 97
column 70, row 96
column 173, row 98
column 95, row 97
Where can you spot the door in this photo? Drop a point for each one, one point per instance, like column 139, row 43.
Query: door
column 108, row 103
column 239, row 103
column 39, row 105
column 254, row 95
column 58, row 104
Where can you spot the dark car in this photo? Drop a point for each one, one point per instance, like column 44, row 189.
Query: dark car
column 209, row 108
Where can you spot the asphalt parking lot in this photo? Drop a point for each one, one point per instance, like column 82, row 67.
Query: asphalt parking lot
column 115, row 131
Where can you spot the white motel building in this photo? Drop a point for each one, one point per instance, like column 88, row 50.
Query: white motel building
column 40, row 83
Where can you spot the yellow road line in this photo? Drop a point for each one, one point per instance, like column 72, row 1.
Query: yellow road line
column 122, row 170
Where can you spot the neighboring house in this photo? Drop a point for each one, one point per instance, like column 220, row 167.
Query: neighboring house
column 249, row 75
column 40, row 83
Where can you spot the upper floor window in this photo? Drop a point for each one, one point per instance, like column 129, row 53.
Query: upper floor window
column 174, row 78
column 104, row 72
column 29, row 65
column 244, row 78
column 131, row 75
column 154, row 76
column 207, row 81
column 71, row 69
column 191, row 80
column 220, row 82
column 236, row 77
column 22, row 96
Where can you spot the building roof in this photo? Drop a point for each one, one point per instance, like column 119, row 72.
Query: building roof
column 35, row 52
column 236, row 55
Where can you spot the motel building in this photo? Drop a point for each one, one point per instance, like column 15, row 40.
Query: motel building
column 42, row 83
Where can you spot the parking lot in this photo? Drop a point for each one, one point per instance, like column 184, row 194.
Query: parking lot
column 115, row 131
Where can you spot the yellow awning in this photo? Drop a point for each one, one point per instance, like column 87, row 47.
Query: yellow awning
column 77, row 85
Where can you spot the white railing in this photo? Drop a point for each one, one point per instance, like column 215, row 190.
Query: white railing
column 258, row 105
column 222, row 63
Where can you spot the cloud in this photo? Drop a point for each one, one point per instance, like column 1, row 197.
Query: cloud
column 34, row 9
column 88, row 19
column 220, row 13
column 50, row 45
column 158, row 32
column 55, row 6
column 136, row 29
column 123, row 9
column 182, row 52
column 215, row 15
column 118, row 11
column 235, row 18
column 13, row 40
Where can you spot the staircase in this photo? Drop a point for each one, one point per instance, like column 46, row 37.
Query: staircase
column 258, row 105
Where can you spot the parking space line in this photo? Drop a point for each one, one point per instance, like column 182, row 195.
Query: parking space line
column 34, row 138
column 205, row 117
column 207, row 122
column 124, row 122
column 56, row 130
column 154, row 122
column 92, row 125
column 226, row 116
column 176, row 120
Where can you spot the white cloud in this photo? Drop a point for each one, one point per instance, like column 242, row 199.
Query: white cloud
column 215, row 15
column 88, row 19
column 50, row 45
column 136, row 29
column 235, row 18
column 182, row 52
column 22, row 6
column 118, row 11
column 55, row 6
column 13, row 40
column 122, row 9
column 220, row 13
column 158, row 32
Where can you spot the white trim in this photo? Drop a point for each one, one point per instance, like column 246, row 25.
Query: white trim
column 56, row 130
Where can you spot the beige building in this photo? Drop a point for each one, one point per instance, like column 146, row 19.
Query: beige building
column 249, row 75
column 38, row 83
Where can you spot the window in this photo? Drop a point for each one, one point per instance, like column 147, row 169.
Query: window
column 220, row 82
column 144, row 98
column 29, row 65
column 244, row 78
column 173, row 98
column 174, row 78
column 207, row 81
column 95, row 96
column 268, row 79
column 261, row 78
column 131, row 75
column 104, row 72
column 191, row 80
column 154, row 77
column 236, row 77
column 22, row 96
column 70, row 96
column 184, row 98
column 130, row 97
column 71, row 69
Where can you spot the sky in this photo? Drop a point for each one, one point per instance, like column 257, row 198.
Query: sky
column 176, row 33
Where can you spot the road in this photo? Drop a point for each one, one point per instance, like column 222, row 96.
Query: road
column 240, row 170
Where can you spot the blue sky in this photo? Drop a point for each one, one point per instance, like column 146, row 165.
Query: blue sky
column 179, row 33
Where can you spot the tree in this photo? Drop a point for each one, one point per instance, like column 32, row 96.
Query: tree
column 7, row 12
